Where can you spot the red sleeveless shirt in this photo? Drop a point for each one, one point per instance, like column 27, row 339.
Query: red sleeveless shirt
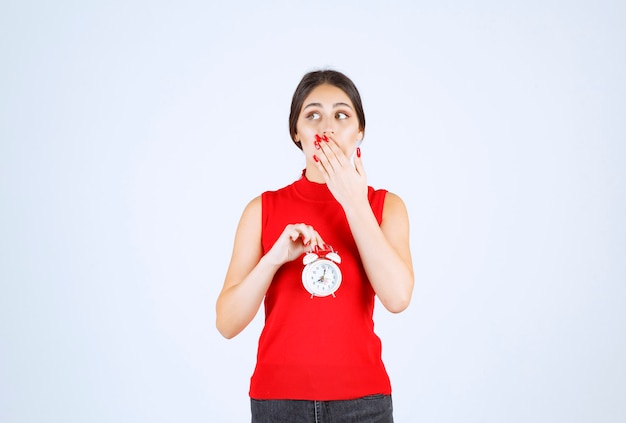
column 321, row 348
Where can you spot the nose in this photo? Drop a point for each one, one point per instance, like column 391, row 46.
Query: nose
column 326, row 125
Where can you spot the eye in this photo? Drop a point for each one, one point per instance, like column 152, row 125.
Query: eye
column 341, row 115
column 313, row 116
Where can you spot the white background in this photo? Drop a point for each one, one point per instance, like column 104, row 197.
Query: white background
column 133, row 133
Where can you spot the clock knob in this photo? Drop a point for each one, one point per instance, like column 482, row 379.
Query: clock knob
column 309, row 258
column 334, row 257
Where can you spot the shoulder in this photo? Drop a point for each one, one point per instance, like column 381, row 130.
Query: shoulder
column 395, row 222
column 393, row 200
column 252, row 211
column 394, row 206
column 254, row 204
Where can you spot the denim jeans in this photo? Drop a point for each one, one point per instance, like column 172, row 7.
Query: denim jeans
column 370, row 409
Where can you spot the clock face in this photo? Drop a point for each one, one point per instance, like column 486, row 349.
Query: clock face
column 321, row 278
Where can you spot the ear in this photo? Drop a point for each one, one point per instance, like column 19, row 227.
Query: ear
column 297, row 142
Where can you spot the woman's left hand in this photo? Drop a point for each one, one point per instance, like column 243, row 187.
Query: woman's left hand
column 347, row 182
column 383, row 247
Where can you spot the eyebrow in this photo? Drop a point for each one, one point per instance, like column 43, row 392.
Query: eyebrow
column 334, row 105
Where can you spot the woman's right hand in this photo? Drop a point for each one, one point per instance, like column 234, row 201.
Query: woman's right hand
column 250, row 273
column 293, row 241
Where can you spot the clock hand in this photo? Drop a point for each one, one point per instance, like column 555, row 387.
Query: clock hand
column 323, row 278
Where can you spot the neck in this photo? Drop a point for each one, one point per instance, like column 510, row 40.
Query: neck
column 313, row 175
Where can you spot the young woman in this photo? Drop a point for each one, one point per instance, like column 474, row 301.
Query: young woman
column 317, row 252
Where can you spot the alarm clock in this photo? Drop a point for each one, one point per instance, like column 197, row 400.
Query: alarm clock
column 321, row 275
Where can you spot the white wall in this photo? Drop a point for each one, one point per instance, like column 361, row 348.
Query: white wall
column 132, row 134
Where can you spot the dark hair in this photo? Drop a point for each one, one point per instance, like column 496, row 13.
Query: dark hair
column 312, row 80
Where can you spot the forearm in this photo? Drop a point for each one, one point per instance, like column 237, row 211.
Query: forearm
column 389, row 272
column 237, row 305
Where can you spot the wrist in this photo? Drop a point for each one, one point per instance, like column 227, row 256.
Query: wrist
column 271, row 262
column 357, row 207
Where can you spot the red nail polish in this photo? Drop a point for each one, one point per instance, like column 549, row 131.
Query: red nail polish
column 315, row 158
column 358, row 151
column 318, row 138
column 325, row 138
column 317, row 145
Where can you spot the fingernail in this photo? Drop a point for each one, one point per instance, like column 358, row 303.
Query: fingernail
column 358, row 151
column 317, row 145
column 325, row 138
column 318, row 138
column 315, row 158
